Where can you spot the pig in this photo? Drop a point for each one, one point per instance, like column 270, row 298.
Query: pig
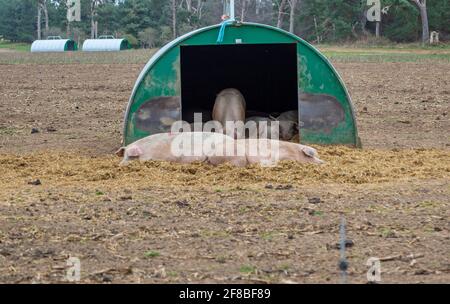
column 230, row 106
column 286, row 131
column 264, row 152
column 216, row 149
column 289, row 115
column 160, row 147
column 229, row 153
column 264, row 128
column 286, row 151
column 289, row 124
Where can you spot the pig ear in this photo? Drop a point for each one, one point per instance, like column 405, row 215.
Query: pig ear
column 134, row 151
column 309, row 152
column 167, row 121
column 121, row 152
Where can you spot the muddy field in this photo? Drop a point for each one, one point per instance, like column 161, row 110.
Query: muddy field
column 158, row 222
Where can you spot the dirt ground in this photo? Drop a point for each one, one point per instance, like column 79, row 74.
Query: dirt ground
column 159, row 222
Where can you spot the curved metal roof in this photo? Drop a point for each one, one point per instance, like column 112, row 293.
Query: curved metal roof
column 208, row 35
column 53, row 45
column 104, row 45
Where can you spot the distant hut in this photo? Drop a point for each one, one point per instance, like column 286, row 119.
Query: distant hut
column 53, row 44
column 105, row 44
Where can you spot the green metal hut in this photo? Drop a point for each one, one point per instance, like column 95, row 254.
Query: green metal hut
column 275, row 70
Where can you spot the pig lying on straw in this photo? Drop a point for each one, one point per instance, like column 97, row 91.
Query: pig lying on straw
column 215, row 149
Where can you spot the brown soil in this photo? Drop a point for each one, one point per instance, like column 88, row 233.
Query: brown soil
column 159, row 222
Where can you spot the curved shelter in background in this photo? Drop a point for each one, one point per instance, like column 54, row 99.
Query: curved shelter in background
column 275, row 70
column 53, row 45
column 105, row 45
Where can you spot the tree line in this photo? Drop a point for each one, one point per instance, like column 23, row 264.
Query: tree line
column 151, row 23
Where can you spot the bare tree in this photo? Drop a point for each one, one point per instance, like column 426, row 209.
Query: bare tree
column 174, row 18
column 243, row 9
column 39, row 16
column 92, row 19
column 189, row 5
column 42, row 8
column 39, row 31
column 45, row 9
column 94, row 22
column 422, row 6
column 293, row 5
column 281, row 13
column 257, row 7
column 199, row 9
column 316, row 28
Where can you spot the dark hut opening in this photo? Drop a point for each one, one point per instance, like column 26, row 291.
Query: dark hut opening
column 266, row 74
column 124, row 45
column 70, row 45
